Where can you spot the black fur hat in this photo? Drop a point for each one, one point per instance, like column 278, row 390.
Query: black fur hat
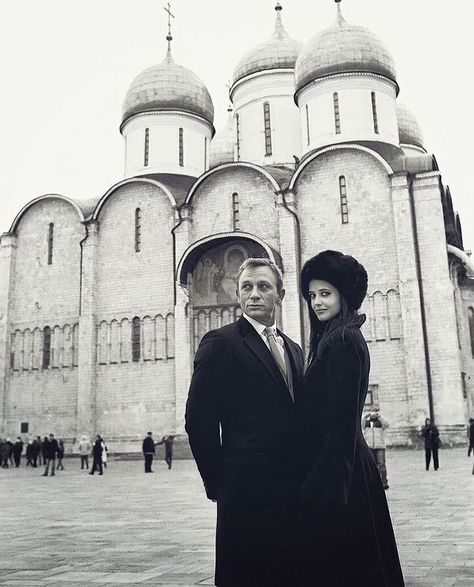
column 342, row 271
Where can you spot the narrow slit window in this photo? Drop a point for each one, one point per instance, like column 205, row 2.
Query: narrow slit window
column 337, row 114
column 205, row 153
column 136, row 339
column 237, row 130
column 235, row 211
column 138, row 230
column 307, row 124
column 268, row 128
column 343, row 198
column 471, row 328
column 181, row 148
column 46, row 347
column 146, row 153
column 374, row 113
column 50, row 243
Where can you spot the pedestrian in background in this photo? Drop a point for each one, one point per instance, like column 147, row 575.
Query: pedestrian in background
column 35, row 452
column 430, row 434
column 29, row 454
column 60, row 466
column 85, row 450
column 470, row 437
column 5, row 453
column 17, row 451
column 50, row 450
column 97, row 456
column 148, row 449
column 373, row 428
column 168, row 442
column 104, row 452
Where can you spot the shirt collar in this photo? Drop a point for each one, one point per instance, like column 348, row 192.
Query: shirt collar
column 259, row 327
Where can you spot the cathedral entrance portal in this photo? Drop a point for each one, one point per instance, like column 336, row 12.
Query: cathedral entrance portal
column 212, row 285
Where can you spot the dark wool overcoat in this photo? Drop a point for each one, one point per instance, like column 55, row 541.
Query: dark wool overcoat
column 240, row 419
column 345, row 528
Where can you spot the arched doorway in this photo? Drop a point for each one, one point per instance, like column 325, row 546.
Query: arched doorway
column 209, row 276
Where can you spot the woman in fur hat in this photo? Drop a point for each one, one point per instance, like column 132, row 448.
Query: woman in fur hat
column 345, row 527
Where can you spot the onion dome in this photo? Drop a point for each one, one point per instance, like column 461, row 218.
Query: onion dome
column 166, row 87
column 280, row 51
column 343, row 48
column 408, row 129
column 222, row 145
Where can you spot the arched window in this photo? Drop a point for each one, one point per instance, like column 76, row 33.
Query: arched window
column 138, row 230
column 470, row 312
column 147, row 147
column 267, row 128
column 235, row 211
column 136, row 339
column 337, row 116
column 237, row 132
column 343, row 198
column 46, row 347
column 374, row 113
column 307, row 124
column 50, row 243
column 181, row 148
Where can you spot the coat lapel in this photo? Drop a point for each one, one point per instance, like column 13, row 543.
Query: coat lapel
column 253, row 340
column 295, row 360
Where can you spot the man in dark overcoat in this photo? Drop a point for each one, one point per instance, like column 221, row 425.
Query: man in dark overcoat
column 148, row 449
column 240, row 418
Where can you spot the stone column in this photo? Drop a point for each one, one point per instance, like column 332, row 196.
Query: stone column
column 86, row 392
column 441, row 325
column 290, row 253
column 7, row 265
column 183, row 359
column 417, row 408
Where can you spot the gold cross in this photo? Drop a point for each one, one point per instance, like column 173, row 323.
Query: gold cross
column 170, row 16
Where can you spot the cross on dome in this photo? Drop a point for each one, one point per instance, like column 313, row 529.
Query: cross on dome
column 169, row 37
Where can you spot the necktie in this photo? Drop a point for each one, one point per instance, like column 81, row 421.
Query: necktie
column 276, row 351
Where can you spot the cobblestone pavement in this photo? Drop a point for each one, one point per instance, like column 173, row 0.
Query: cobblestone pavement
column 128, row 528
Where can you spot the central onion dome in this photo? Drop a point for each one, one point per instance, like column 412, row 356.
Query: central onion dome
column 343, row 48
column 280, row 51
column 408, row 128
column 168, row 87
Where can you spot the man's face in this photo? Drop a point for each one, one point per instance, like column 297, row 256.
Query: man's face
column 257, row 294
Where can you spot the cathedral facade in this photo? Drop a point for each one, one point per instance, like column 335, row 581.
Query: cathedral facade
column 104, row 301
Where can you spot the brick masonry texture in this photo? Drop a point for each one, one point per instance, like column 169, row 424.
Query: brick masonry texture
column 98, row 387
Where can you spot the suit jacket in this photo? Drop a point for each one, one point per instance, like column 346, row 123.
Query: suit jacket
column 239, row 410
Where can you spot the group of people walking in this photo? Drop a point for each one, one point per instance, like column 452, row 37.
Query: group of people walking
column 38, row 451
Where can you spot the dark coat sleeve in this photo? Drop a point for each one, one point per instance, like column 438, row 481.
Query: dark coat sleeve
column 330, row 478
column 203, row 413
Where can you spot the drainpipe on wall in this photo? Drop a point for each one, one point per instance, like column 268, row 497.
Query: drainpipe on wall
column 298, row 252
column 173, row 231
column 85, row 223
column 422, row 301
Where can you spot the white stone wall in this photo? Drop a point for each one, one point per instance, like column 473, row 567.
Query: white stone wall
column 355, row 109
column 248, row 96
column 164, row 144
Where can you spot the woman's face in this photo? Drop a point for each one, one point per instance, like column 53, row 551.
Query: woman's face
column 325, row 299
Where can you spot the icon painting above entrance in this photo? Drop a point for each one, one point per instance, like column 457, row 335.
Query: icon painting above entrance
column 211, row 272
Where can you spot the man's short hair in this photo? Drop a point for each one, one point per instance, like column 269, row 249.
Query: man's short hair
column 262, row 262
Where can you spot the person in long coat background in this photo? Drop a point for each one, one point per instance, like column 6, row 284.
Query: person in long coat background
column 239, row 387
column 346, row 534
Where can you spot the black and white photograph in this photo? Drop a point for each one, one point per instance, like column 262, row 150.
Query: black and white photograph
column 237, row 289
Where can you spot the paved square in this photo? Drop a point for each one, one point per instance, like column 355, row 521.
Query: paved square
column 128, row 528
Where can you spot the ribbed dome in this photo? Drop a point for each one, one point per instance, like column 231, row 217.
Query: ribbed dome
column 408, row 129
column 168, row 86
column 343, row 48
column 280, row 51
column 221, row 149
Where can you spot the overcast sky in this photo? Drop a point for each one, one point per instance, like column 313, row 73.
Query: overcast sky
column 67, row 64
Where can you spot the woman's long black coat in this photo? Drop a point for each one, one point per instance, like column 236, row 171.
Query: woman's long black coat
column 345, row 528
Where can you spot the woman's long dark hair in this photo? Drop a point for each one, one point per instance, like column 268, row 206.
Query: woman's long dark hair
column 320, row 331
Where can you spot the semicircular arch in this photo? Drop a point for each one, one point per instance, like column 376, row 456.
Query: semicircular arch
column 16, row 222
